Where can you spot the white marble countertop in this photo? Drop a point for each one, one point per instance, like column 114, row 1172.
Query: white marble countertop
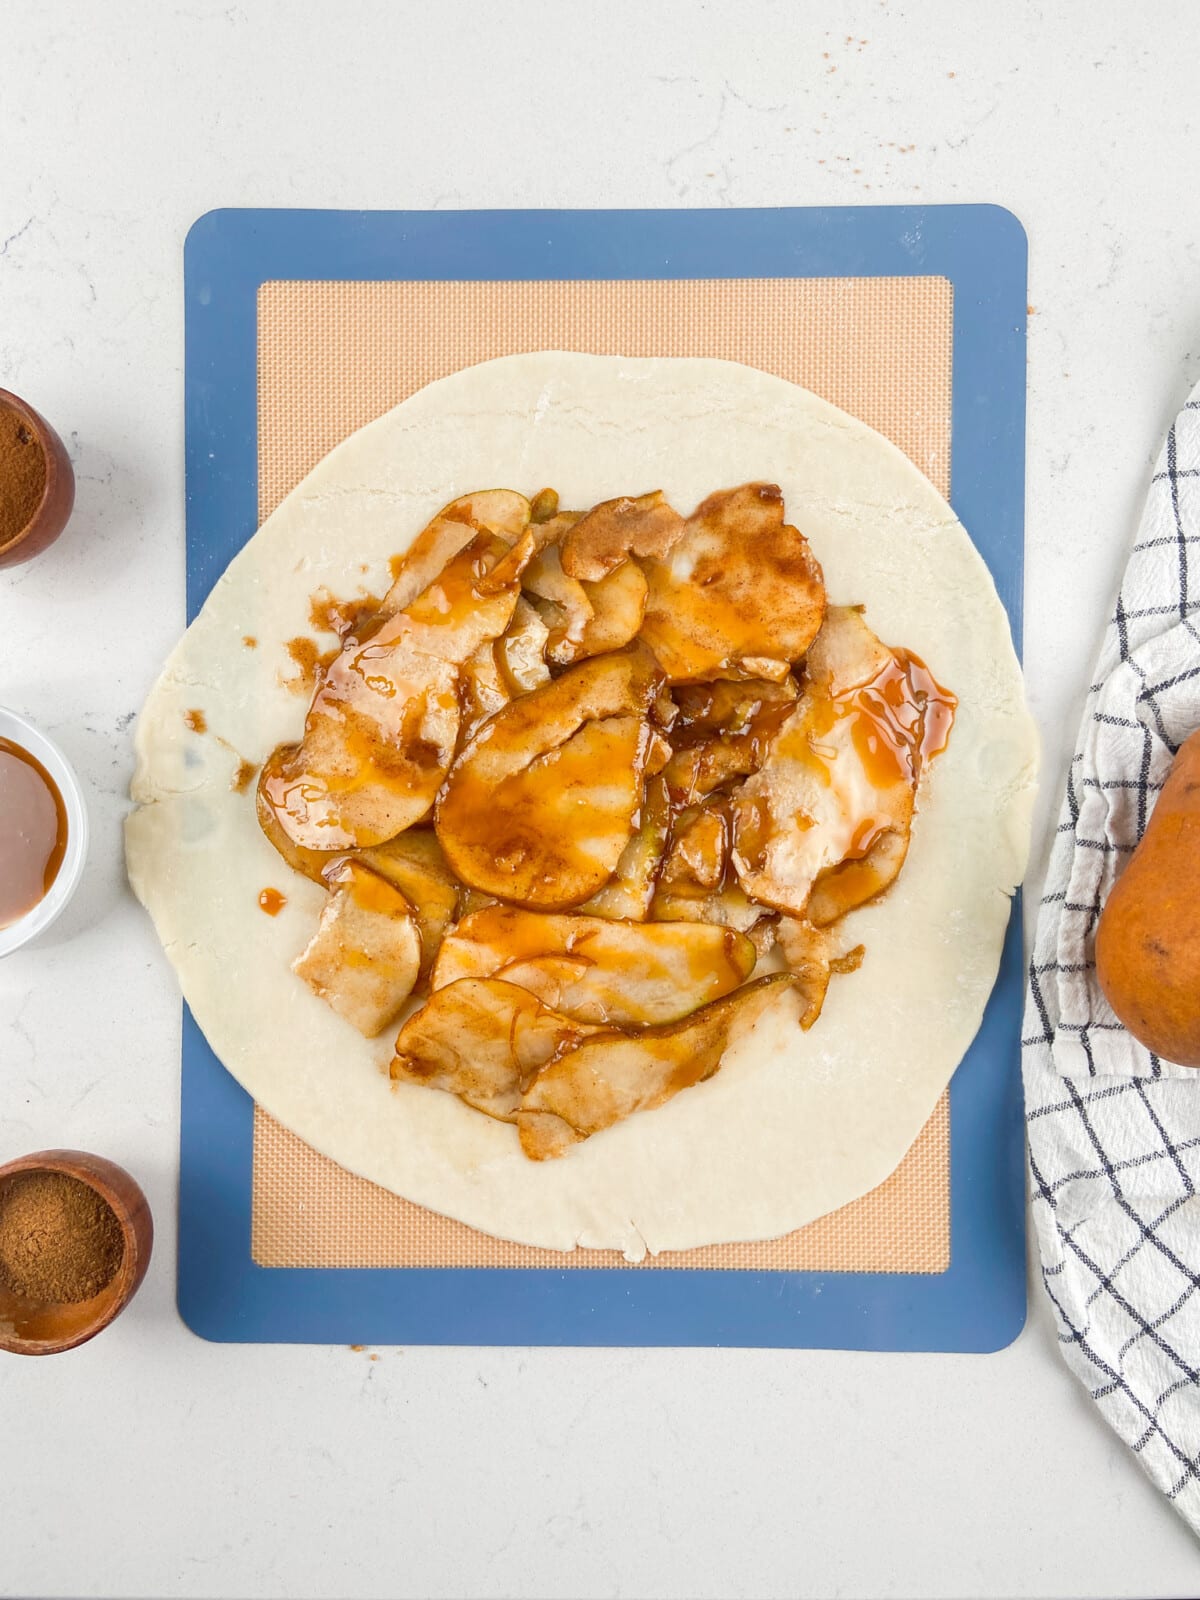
column 151, row 1464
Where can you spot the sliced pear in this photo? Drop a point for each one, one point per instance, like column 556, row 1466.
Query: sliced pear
column 729, row 906
column 812, row 957
column 658, row 755
column 693, row 885
column 762, row 934
column 824, row 825
column 596, row 970
column 473, row 900
column 611, row 1075
column 732, row 708
column 489, row 511
column 699, row 850
column 561, row 602
column 521, row 651
column 552, row 530
column 628, row 893
column 618, row 604
column 623, row 681
column 383, row 726
column 541, row 803
column 503, row 668
column 769, row 667
column 658, row 992
column 551, row 835
column 482, row 689
column 701, row 769
column 664, row 711
column 364, row 958
column 722, row 732
column 739, row 590
column 617, row 529
column 543, row 506
column 311, row 863
column 483, row 1040
column 413, row 862
column 857, row 881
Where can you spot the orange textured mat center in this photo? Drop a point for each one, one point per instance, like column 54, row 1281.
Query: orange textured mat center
column 333, row 356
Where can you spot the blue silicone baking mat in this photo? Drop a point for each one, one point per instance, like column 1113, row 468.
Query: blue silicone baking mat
column 978, row 1302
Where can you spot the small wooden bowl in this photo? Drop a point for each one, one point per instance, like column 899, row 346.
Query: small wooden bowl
column 58, row 496
column 28, row 1328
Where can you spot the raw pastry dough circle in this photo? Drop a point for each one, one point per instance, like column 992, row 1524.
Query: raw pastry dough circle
column 793, row 1125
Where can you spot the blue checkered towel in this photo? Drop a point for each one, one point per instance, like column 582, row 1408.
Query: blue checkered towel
column 1114, row 1132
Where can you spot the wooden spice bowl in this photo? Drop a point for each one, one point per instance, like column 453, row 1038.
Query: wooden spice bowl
column 50, row 515
column 31, row 1328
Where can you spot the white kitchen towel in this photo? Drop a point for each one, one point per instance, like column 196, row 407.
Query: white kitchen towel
column 1114, row 1132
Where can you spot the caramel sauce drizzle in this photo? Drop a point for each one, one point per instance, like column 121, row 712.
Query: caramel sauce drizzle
column 902, row 719
column 328, row 614
column 243, row 776
column 311, row 662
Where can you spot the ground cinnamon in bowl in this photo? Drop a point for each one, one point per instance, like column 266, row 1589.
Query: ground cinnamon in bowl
column 22, row 473
column 60, row 1242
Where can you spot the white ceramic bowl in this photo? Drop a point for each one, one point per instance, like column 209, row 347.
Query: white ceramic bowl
column 38, row 919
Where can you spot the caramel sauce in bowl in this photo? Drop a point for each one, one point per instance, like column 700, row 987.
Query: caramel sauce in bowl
column 43, row 832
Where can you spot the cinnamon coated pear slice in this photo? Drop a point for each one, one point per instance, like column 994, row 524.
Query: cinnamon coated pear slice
column 598, row 542
column 628, row 893
column 617, row 603
column 521, row 651
column 611, row 1075
column 739, row 593
column 813, row 957
column 502, row 512
column 413, row 863
column 541, row 803
column 364, row 958
column 382, row 729
column 722, row 732
column 483, row 1040
column 824, row 825
column 595, row 970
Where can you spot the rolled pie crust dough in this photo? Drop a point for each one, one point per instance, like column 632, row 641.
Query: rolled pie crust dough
column 793, row 1125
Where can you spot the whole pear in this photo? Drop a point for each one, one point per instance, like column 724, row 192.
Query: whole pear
column 1148, row 938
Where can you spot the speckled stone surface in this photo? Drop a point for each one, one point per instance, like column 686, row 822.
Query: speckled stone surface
column 321, row 1472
